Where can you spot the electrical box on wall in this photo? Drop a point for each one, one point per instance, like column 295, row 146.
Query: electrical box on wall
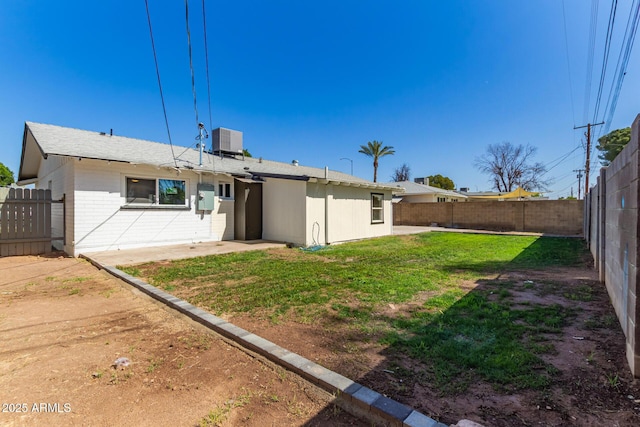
column 205, row 197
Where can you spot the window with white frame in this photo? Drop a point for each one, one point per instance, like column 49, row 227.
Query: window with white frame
column 156, row 192
column 377, row 208
column 442, row 199
column 224, row 190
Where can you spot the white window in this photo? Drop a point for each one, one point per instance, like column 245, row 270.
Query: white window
column 442, row 199
column 224, row 190
column 156, row 192
column 377, row 208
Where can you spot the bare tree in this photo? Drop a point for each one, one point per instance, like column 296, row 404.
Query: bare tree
column 510, row 166
column 402, row 173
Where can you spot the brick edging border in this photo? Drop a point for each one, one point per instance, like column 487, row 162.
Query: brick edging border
column 369, row 403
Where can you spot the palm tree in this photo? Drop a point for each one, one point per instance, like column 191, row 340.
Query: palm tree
column 376, row 150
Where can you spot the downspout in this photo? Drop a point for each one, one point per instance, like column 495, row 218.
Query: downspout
column 326, row 207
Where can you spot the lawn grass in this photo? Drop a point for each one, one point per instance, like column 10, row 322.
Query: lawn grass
column 459, row 334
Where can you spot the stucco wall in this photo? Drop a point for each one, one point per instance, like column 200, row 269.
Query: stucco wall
column 223, row 218
column 283, row 210
column 543, row 216
column 297, row 212
column 350, row 214
column 101, row 224
column 57, row 175
column 315, row 230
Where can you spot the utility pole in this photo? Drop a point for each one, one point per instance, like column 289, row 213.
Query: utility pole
column 588, row 161
column 579, row 176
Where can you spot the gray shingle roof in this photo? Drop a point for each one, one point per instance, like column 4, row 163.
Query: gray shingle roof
column 413, row 188
column 63, row 141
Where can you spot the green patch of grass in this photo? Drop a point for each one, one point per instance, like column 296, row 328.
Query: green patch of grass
column 581, row 293
column 76, row 280
column 198, row 341
column 608, row 321
column 219, row 415
column 458, row 335
column 154, row 364
column 108, row 292
column 477, row 336
column 613, row 380
column 134, row 271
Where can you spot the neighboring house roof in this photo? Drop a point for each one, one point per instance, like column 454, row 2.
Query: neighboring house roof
column 413, row 189
column 41, row 140
column 518, row 193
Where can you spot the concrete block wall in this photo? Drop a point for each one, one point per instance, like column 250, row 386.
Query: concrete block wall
column 562, row 217
column 554, row 216
column 494, row 215
column 614, row 239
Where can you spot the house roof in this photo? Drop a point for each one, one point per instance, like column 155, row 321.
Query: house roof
column 43, row 140
column 518, row 193
column 413, row 189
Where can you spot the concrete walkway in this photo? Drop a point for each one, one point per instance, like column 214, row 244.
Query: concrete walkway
column 191, row 250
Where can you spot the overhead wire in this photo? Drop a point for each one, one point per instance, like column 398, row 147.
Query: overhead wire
column 590, row 55
column 559, row 160
column 164, row 108
column 193, row 78
column 206, row 61
column 605, row 57
column 566, row 45
column 622, row 63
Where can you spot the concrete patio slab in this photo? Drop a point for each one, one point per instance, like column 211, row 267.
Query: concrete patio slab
column 190, row 250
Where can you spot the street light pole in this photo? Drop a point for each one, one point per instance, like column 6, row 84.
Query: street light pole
column 346, row 158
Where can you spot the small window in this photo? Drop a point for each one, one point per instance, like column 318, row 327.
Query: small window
column 224, row 190
column 141, row 191
column 441, row 199
column 172, row 192
column 377, row 208
column 156, row 192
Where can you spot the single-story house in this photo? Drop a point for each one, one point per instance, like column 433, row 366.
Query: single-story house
column 123, row 192
column 415, row 192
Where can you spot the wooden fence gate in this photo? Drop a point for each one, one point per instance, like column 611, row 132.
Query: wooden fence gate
column 25, row 221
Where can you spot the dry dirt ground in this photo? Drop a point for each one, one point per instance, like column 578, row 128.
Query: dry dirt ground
column 63, row 323
column 593, row 385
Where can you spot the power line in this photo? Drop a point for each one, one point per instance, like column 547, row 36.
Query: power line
column 206, row 60
column 559, row 160
column 566, row 45
column 155, row 58
column 590, row 55
column 193, row 78
column 605, row 57
column 623, row 62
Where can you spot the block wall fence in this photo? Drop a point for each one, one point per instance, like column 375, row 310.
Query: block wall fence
column 562, row 217
column 611, row 228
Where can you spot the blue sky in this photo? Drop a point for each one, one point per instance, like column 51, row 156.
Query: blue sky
column 313, row 81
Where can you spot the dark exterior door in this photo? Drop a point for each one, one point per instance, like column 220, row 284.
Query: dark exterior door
column 248, row 210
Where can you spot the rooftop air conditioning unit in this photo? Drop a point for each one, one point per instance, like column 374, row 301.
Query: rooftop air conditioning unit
column 226, row 141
